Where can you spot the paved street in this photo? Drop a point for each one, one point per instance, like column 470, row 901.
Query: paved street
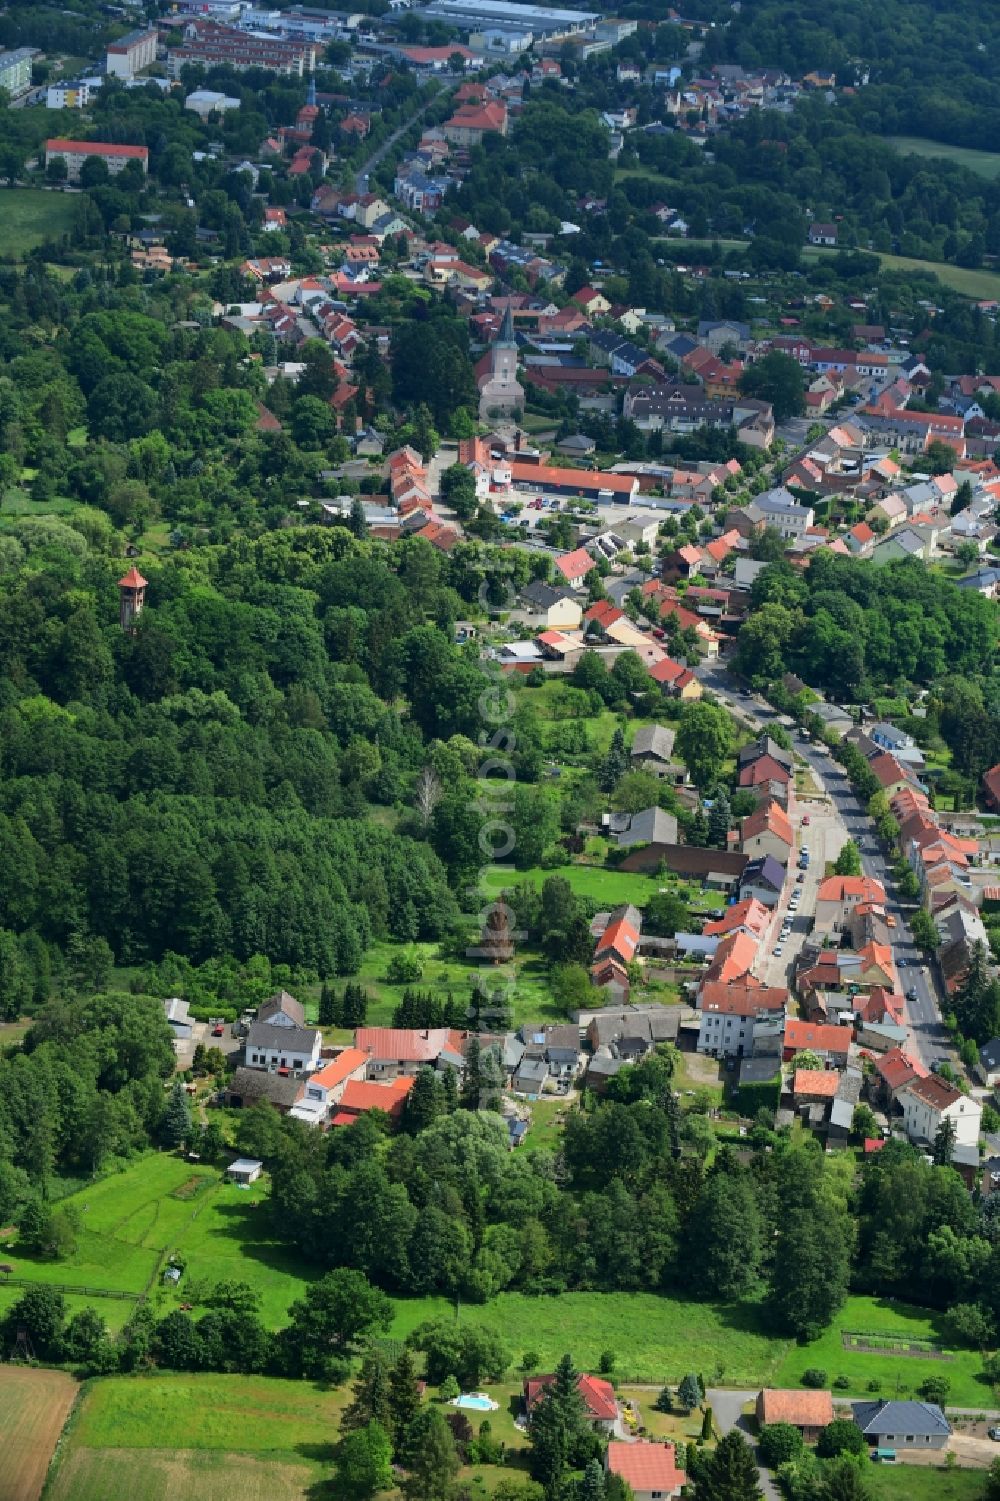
column 927, row 1033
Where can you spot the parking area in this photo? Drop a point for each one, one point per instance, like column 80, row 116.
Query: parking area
column 823, row 836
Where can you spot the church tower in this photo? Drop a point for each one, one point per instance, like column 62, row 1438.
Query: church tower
column 502, row 394
column 131, row 598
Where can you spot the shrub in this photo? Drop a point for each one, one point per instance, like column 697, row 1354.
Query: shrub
column 779, row 1443
column 842, row 1383
column 814, row 1376
column 842, row 1436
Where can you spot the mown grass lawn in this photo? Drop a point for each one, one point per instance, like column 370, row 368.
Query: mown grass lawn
column 114, row 1311
column 530, row 997
column 608, row 888
column 183, row 1475
column 262, row 1414
column 897, row 1375
column 28, row 216
column 655, row 1339
column 986, row 163
column 162, row 1204
column 923, row 1483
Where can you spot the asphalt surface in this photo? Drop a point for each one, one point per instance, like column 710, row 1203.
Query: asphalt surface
column 928, row 1035
column 361, row 178
column 727, row 1410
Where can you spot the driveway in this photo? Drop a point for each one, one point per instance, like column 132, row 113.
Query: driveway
column 727, row 1410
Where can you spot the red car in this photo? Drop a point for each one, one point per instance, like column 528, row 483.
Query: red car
column 219, row 1030
column 805, row 820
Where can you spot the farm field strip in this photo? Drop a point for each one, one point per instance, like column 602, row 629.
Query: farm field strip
column 34, row 1406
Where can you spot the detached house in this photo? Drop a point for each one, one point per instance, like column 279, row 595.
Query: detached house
column 808, row 1411
column 649, row 1470
column 732, row 1015
column 600, row 1404
column 926, row 1103
column 279, row 1039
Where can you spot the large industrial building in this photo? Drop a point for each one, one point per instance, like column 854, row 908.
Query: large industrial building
column 483, row 15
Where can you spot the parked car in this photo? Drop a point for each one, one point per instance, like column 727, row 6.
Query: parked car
column 911, row 994
column 219, row 1031
column 801, row 876
column 994, row 1434
column 777, row 951
column 805, row 820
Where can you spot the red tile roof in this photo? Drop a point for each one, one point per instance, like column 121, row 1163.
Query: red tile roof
column 339, row 1068
column 646, row 1466
column 576, row 564
column 840, row 888
column 733, row 958
column 819, row 1083
column 360, row 1096
column 620, row 938
column 541, row 475
column 132, row 580
column 769, row 818
column 799, row 1034
column 408, row 1044
column 898, row 1068
column 746, row 999
column 801, row 1409
column 598, row 1395
column 96, row 148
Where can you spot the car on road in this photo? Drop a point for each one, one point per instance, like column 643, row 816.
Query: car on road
column 911, row 994
column 777, row 950
column 218, row 1030
column 994, row 1434
column 801, row 876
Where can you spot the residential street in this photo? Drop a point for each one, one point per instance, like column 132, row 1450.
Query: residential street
column 928, row 1036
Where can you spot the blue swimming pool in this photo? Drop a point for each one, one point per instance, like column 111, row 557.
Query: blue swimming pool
column 478, row 1401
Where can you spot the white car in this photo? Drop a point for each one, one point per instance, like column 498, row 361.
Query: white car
column 777, row 951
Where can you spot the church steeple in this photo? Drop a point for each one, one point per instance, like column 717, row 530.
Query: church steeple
column 505, row 338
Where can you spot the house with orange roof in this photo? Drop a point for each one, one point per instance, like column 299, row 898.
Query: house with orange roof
column 894, row 1070
column 749, row 916
column 574, row 567
column 406, row 1050
column 831, row 1044
column 808, row 1411
column 814, row 1086
column 676, row 680
column 325, row 1088
column 768, row 831
column 860, row 539
column 600, row 1402
column 648, row 1469
column 732, row 1016
column 733, row 960
column 360, row 1096
column 837, row 896
column 620, row 938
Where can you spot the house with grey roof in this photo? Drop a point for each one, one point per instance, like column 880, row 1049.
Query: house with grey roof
column 178, row 1016
column 779, row 509
column 531, row 1076
column 650, row 826
column 653, row 748
column 833, row 717
column 902, row 1425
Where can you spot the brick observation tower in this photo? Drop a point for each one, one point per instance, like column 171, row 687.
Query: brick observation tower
column 132, row 597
